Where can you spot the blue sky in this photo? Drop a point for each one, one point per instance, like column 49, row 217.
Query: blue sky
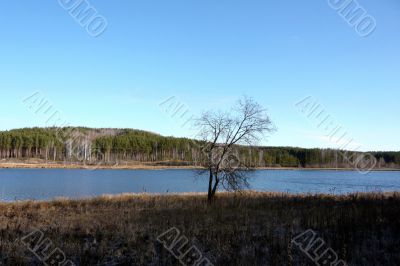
column 205, row 54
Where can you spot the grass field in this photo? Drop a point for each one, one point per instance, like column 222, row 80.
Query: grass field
column 238, row 229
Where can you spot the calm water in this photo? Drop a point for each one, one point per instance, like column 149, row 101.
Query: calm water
column 39, row 184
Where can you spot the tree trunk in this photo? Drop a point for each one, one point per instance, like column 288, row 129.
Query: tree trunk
column 214, row 190
column 209, row 197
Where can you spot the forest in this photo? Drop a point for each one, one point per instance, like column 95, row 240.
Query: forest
column 86, row 145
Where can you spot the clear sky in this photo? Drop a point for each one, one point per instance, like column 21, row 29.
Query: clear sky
column 206, row 54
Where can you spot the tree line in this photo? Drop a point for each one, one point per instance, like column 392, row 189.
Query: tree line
column 114, row 145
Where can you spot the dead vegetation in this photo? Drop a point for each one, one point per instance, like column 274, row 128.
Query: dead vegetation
column 238, row 229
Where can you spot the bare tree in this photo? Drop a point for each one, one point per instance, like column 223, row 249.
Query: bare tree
column 222, row 133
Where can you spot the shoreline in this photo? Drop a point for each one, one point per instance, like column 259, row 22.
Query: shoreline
column 91, row 167
column 199, row 195
column 144, row 166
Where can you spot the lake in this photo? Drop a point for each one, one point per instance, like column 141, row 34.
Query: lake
column 44, row 184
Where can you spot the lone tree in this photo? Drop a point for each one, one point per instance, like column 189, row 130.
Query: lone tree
column 222, row 133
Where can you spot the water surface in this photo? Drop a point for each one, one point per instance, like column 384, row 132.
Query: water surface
column 43, row 184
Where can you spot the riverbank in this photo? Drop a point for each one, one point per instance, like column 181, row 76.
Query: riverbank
column 239, row 229
column 38, row 163
column 41, row 164
column 91, row 167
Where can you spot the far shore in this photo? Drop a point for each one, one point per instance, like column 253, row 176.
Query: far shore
column 149, row 166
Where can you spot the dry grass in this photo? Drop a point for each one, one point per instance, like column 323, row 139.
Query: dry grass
column 239, row 229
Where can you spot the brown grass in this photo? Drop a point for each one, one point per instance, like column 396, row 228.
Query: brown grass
column 239, row 229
